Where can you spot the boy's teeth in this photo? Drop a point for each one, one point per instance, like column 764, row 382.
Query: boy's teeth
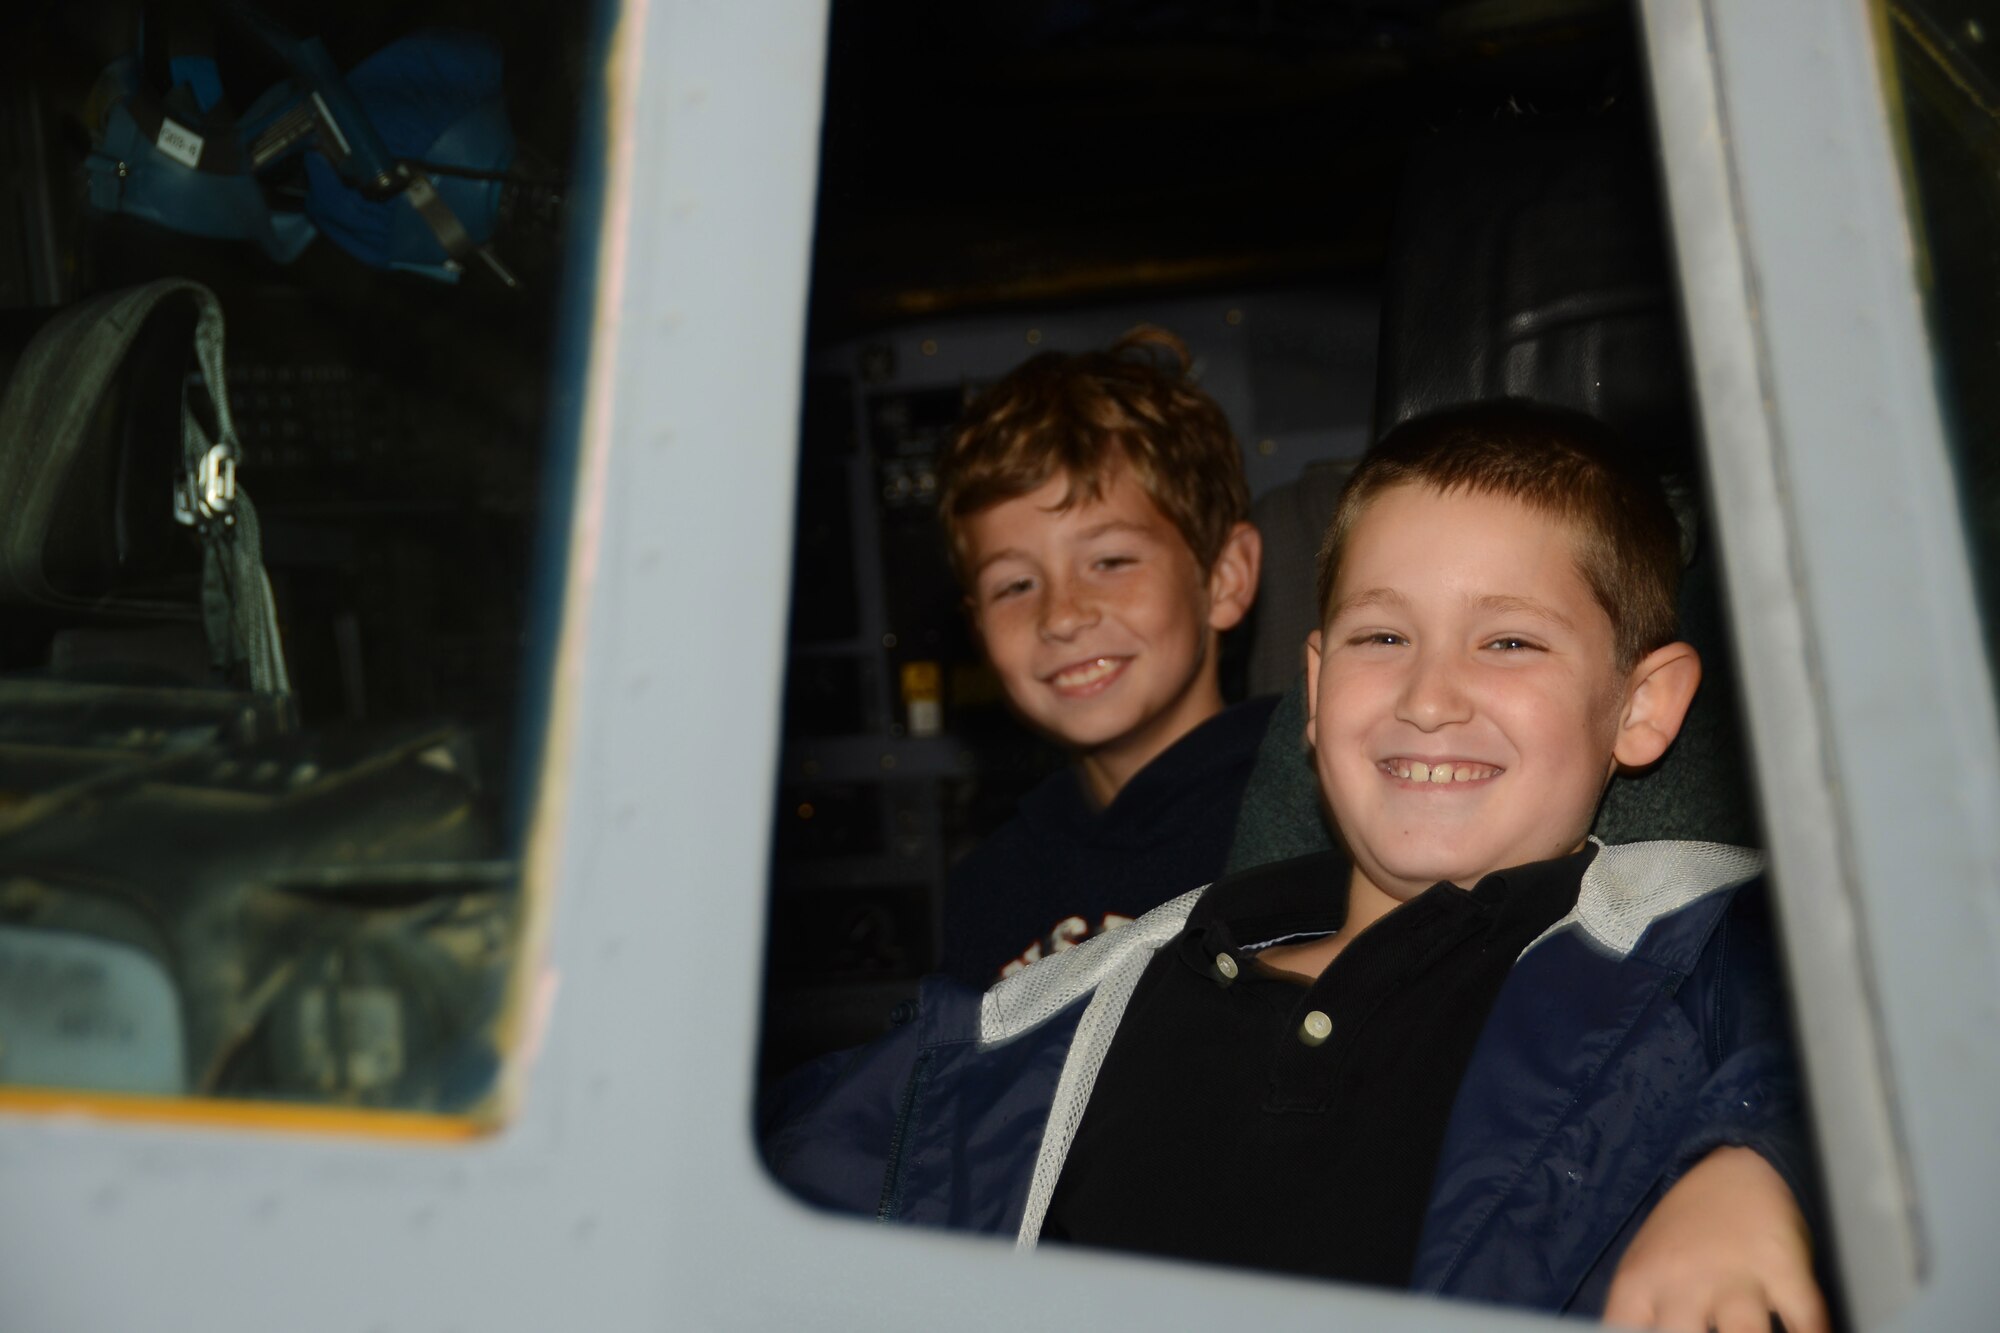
column 1087, row 673
column 1416, row 770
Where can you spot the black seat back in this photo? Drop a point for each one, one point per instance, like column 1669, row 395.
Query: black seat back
column 1529, row 262
column 104, row 539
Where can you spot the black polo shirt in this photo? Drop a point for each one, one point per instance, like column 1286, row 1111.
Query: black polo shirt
column 1259, row 1120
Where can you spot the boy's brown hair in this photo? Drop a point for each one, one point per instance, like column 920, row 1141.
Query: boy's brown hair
column 1570, row 467
column 1086, row 414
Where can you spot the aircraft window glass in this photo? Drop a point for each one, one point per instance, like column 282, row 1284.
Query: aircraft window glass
column 285, row 551
column 1947, row 69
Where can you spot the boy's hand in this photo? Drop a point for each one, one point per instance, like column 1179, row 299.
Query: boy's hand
column 1725, row 1249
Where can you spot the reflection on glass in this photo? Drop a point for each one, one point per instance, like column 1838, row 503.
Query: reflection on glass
column 278, row 365
column 1947, row 67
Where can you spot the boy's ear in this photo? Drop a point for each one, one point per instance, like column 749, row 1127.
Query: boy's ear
column 1657, row 694
column 1312, row 683
column 1232, row 579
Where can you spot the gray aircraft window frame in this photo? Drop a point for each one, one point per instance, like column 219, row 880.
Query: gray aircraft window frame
column 1865, row 676
column 626, row 1193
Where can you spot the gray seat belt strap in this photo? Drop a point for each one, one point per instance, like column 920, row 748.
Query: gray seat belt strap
column 238, row 611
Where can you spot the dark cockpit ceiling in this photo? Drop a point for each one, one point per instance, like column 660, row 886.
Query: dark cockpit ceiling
column 1026, row 155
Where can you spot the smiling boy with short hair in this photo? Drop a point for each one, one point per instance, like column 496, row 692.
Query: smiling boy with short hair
column 1472, row 1054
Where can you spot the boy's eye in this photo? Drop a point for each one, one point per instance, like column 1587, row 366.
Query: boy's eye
column 1388, row 638
column 1114, row 561
column 1011, row 588
column 1513, row 643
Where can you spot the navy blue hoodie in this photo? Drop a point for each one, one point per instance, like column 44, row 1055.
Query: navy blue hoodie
column 1057, row 872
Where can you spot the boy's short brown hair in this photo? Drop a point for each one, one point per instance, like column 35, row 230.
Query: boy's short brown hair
column 1563, row 464
column 1086, row 414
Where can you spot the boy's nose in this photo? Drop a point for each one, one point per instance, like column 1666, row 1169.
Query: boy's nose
column 1066, row 611
column 1434, row 693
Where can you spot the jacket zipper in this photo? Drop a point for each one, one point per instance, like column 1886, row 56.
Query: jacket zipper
column 892, row 1180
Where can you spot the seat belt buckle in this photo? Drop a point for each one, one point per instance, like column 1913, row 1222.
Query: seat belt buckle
column 204, row 497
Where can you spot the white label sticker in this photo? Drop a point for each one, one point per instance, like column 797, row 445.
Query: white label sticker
column 180, row 143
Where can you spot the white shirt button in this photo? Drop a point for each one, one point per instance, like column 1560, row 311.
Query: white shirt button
column 1316, row 1029
column 1226, row 966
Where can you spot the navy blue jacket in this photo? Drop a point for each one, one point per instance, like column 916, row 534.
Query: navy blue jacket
column 1641, row 1032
